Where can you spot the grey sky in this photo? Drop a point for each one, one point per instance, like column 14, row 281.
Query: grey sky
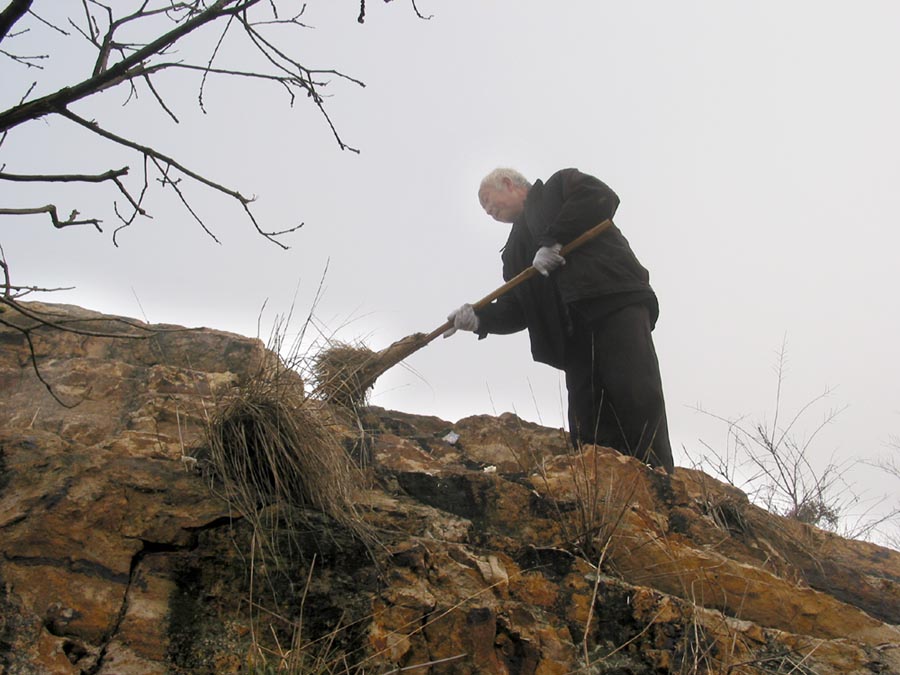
column 754, row 147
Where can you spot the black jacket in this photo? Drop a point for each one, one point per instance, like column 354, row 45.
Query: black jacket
column 603, row 269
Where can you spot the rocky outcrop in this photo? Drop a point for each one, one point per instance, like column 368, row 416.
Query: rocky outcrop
column 492, row 548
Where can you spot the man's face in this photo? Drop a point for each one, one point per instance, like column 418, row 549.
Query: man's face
column 505, row 202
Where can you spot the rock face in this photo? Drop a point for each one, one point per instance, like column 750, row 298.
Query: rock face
column 493, row 549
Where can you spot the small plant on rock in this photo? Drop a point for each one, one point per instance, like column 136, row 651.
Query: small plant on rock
column 770, row 461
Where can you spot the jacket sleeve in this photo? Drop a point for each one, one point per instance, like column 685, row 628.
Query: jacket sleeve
column 586, row 201
column 501, row 317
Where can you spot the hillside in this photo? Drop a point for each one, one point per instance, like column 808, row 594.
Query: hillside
column 477, row 546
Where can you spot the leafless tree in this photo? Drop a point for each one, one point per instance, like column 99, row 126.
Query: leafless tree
column 132, row 42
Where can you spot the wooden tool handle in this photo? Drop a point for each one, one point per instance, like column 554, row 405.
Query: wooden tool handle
column 522, row 276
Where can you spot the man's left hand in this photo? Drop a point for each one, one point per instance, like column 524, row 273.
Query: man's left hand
column 548, row 259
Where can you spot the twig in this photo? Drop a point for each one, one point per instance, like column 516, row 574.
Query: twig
column 112, row 175
column 7, row 284
column 26, row 60
column 34, row 365
column 50, row 25
column 54, row 216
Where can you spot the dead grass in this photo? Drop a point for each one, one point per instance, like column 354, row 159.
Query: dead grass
column 341, row 374
column 273, row 454
column 344, row 373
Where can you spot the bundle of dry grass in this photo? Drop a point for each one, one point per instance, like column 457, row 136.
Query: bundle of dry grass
column 345, row 373
column 342, row 374
column 274, row 455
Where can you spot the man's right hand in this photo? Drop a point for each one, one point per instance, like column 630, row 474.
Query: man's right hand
column 463, row 318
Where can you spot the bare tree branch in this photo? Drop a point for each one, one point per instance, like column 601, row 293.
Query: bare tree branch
column 7, row 284
column 128, row 67
column 54, row 216
column 419, row 14
column 73, row 325
column 270, row 51
column 165, row 180
column 282, row 79
column 26, row 321
column 34, row 364
column 159, row 98
column 165, row 159
column 112, row 174
column 136, row 61
column 212, row 58
column 136, row 205
column 28, row 61
column 47, row 23
column 361, row 18
column 13, row 12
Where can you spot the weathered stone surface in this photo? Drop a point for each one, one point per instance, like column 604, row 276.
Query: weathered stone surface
column 88, row 494
column 117, row 559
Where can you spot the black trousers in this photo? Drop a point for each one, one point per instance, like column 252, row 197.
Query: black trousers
column 615, row 390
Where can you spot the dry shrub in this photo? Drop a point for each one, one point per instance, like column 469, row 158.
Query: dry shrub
column 342, row 373
column 274, row 454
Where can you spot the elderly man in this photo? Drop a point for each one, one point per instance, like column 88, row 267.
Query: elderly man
column 589, row 315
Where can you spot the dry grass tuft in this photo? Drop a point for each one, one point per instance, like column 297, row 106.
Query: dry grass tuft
column 273, row 454
column 342, row 374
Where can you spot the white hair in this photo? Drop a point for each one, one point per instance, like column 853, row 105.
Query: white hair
column 496, row 177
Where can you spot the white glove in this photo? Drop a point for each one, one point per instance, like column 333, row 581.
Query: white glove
column 548, row 259
column 463, row 318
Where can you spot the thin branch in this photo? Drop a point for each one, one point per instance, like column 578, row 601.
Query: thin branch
column 268, row 49
column 43, row 321
column 159, row 98
column 150, row 152
column 165, row 180
column 361, row 18
column 111, row 175
column 67, row 324
column 276, row 21
column 137, row 205
column 50, row 209
column 289, row 78
column 50, row 25
column 34, row 365
column 16, row 291
column 419, row 14
column 156, row 155
column 209, row 63
column 26, row 60
column 7, row 284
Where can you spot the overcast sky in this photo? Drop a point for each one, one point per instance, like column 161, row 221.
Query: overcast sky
column 754, row 146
